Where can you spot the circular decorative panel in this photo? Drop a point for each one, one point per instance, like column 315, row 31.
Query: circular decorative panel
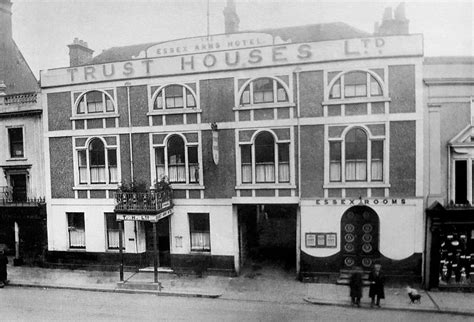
column 349, row 228
column 349, row 261
column 350, row 215
column 366, row 215
column 349, row 247
column 367, row 238
column 367, row 228
column 367, row 262
column 367, row 248
column 349, row 238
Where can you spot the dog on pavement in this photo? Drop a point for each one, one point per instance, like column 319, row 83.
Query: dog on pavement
column 414, row 296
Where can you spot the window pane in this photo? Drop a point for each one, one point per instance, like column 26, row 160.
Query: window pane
column 335, row 161
column 377, row 150
column 361, row 90
column 199, row 231
column 375, row 89
column 190, row 101
column 113, row 233
column 281, row 93
column 174, row 96
column 96, row 153
column 112, row 157
column 246, row 160
column 356, row 170
column 94, row 102
column 176, row 150
column 377, row 160
column 283, row 152
column 193, row 154
column 460, row 177
column 349, row 91
column 356, row 145
column 82, row 162
column 265, row 148
column 355, row 78
column 76, row 230
column 335, row 151
column 81, row 107
column 199, row 222
column 16, row 142
column 174, row 91
column 245, row 96
column 109, row 105
column 336, row 90
column 158, row 101
column 193, row 164
column 263, row 90
column 159, row 156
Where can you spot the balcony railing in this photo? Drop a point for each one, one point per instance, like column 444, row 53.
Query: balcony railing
column 142, row 202
column 9, row 198
column 19, row 99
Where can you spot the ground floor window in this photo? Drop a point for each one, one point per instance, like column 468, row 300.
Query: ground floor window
column 113, row 232
column 200, row 233
column 457, row 257
column 76, row 230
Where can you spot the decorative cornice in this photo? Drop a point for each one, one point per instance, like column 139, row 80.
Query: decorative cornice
column 449, row 81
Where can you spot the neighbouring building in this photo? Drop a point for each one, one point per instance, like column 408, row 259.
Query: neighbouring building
column 22, row 207
column 299, row 146
column 449, row 93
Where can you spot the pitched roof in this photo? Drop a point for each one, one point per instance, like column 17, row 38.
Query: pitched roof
column 297, row 34
column 15, row 72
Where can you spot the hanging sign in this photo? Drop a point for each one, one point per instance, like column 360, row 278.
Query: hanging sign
column 150, row 218
column 215, row 143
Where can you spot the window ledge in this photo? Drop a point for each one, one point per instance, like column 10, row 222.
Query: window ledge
column 96, row 187
column 200, row 252
column 93, row 116
column 16, row 159
column 262, row 106
column 184, row 186
column 357, row 100
column 265, row 186
column 359, row 184
column 174, row 111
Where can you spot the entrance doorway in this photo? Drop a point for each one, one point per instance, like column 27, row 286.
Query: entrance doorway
column 359, row 237
column 267, row 236
column 18, row 183
column 163, row 232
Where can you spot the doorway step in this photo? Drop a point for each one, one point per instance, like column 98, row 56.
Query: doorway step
column 345, row 276
column 150, row 269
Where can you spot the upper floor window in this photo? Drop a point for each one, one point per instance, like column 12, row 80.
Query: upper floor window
column 95, row 102
column 355, row 84
column 174, row 96
column 271, row 160
column 15, row 137
column 264, row 90
column 97, row 163
column 350, row 158
column 177, row 160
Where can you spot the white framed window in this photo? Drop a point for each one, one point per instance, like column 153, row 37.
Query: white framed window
column 95, row 102
column 76, row 230
column 174, row 96
column 199, row 229
column 178, row 159
column 265, row 160
column 97, row 162
column 355, row 84
column 113, row 232
column 16, row 142
column 264, row 90
column 356, row 157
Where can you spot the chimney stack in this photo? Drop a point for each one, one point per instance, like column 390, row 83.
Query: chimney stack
column 391, row 25
column 5, row 20
column 79, row 53
column 231, row 18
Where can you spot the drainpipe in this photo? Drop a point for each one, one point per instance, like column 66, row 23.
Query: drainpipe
column 298, row 211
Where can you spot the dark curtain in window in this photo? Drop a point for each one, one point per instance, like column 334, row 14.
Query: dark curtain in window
column 264, row 148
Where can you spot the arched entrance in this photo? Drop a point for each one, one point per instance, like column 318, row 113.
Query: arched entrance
column 359, row 237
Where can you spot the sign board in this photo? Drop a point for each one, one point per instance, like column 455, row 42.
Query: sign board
column 234, row 59
column 150, row 218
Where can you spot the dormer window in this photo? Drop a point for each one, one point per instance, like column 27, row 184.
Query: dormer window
column 174, row 96
column 264, row 90
column 355, row 84
column 95, row 102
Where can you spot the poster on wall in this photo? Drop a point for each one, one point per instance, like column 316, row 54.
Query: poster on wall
column 331, row 240
column 310, row 240
column 321, row 240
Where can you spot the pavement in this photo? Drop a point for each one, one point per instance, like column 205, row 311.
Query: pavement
column 262, row 284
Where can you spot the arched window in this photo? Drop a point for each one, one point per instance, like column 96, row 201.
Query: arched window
column 271, row 160
column 174, row 96
column 354, row 153
column 96, row 102
column 355, row 84
column 263, row 90
column 97, row 163
column 173, row 160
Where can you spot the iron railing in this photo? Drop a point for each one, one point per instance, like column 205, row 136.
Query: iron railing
column 8, row 198
column 153, row 201
column 18, row 99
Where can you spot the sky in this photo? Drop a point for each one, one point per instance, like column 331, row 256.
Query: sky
column 42, row 29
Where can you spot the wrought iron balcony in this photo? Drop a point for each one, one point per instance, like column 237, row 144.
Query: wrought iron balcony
column 9, row 198
column 151, row 202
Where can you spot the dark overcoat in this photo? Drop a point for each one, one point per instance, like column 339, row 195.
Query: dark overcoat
column 377, row 282
column 355, row 283
column 3, row 267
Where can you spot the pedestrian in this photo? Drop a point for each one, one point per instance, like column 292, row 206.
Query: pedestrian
column 377, row 281
column 355, row 285
column 3, row 268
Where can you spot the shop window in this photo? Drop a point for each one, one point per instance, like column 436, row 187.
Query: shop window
column 355, row 84
column 113, row 232
column 97, row 164
column 200, row 232
column 15, row 136
column 173, row 159
column 76, row 229
column 264, row 90
column 271, row 160
column 174, row 96
column 96, row 102
column 456, row 265
column 352, row 155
